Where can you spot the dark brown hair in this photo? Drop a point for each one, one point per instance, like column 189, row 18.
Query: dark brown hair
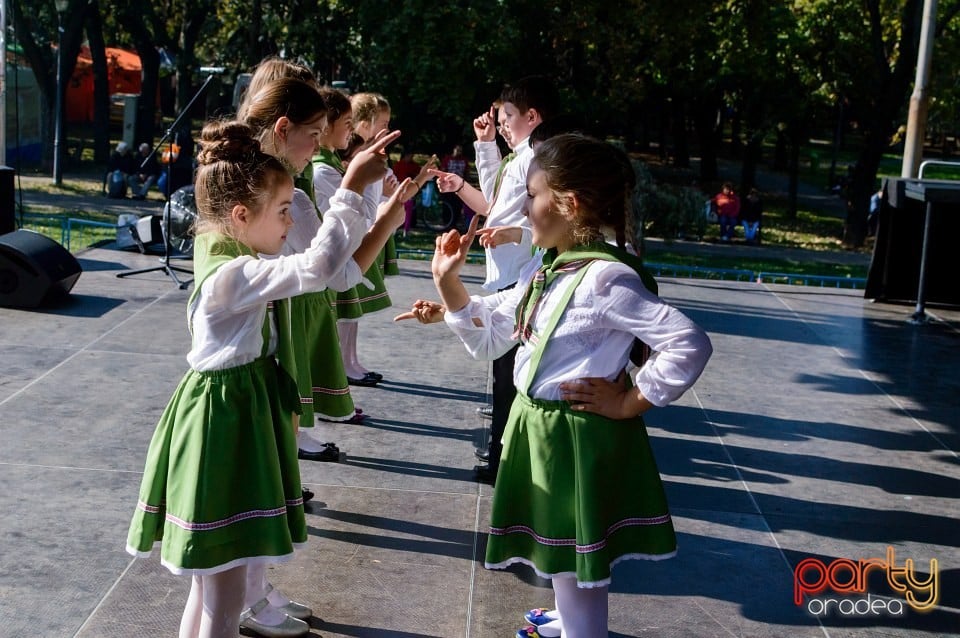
column 232, row 170
column 598, row 174
column 270, row 69
column 287, row 97
column 337, row 103
column 532, row 92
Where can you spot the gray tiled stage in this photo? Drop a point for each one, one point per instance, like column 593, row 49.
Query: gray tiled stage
column 824, row 427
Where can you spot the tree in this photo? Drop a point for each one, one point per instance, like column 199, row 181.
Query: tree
column 101, row 88
column 868, row 54
column 36, row 30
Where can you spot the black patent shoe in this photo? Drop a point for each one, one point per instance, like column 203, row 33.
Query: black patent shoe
column 485, row 474
column 328, row 454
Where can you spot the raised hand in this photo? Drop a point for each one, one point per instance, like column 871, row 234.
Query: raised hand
column 369, row 164
column 494, row 236
column 423, row 311
column 390, row 184
column 451, row 251
column 391, row 211
column 424, row 175
column 446, row 182
column 485, row 126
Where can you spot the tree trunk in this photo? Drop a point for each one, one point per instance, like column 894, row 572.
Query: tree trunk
column 780, row 159
column 862, row 186
column 796, row 139
column 101, row 87
column 147, row 104
column 736, row 124
column 681, row 146
column 885, row 113
column 752, row 153
column 43, row 62
column 705, row 120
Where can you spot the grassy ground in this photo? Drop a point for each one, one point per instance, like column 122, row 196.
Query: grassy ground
column 812, row 230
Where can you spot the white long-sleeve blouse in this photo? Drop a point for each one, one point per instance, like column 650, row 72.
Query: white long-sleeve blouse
column 593, row 338
column 228, row 312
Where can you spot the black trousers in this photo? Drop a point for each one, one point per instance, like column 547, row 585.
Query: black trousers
column 503, row 393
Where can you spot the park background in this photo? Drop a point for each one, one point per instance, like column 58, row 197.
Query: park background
column 815, row 91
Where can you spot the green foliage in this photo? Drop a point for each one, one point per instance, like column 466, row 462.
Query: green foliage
column 665, row 210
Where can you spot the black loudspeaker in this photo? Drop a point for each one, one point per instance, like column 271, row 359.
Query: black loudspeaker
column 7, row 224
column 34, row 269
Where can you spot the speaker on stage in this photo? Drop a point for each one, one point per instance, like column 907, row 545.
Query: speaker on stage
column 34, row 269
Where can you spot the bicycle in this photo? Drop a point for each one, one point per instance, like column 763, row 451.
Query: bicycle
column 436, row 213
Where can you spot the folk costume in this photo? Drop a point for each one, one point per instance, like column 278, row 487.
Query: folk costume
column 578, row 492
column 221, row 484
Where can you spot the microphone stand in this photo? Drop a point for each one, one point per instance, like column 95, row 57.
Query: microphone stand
column 165, row 267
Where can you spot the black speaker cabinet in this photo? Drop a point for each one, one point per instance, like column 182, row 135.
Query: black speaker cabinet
column 34, row 269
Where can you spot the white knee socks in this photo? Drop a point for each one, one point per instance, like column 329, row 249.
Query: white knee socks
column 583, row 610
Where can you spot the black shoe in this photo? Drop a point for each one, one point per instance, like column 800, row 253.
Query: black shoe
column 376, row 376
column 485, row 474
column 486, row 411
column 364, row 381
column 307, row 495
column 482, row 454
column 330, row 454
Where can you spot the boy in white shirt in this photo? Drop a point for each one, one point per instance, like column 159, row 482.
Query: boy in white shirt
column 506, row 236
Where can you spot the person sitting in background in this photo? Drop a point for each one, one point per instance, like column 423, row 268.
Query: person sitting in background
column 750, row 215
column 145, row 174
column 728, row 210
column 119, row 168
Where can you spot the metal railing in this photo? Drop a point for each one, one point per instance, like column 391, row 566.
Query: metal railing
column 927, row 163
column 66, row 224
column 702, row 272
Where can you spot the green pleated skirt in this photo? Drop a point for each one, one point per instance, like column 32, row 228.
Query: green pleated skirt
column 374, row 299
column 391, row 267
column 575, row 494
column 346, row 305
column 221, row 485
column 321, row 380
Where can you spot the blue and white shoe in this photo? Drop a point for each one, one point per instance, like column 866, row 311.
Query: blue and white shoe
column 538, row 616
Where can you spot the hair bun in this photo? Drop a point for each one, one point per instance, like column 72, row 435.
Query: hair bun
column 228, row 141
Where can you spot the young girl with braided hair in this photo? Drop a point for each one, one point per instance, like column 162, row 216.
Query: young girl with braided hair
column 578, row 490
column 221, row 486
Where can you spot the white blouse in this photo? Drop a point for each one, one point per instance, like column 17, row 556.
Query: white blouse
column 306, row 225
column 326, row 181
column 228, row 311
column 593, row 338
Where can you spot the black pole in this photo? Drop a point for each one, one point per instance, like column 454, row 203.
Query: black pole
column 165, row 267
column 58, row 116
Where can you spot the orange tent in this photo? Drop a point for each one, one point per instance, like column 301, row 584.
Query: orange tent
column 123, row 76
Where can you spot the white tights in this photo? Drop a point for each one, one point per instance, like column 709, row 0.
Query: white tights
column 347, row 331
column 583, row 611
column 214, row 605
column 257, row 589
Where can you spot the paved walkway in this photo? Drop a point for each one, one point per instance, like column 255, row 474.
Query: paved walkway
column 824, row 427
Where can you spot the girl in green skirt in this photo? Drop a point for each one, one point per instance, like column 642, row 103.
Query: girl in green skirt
column 578, row 489
column 221, row 486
